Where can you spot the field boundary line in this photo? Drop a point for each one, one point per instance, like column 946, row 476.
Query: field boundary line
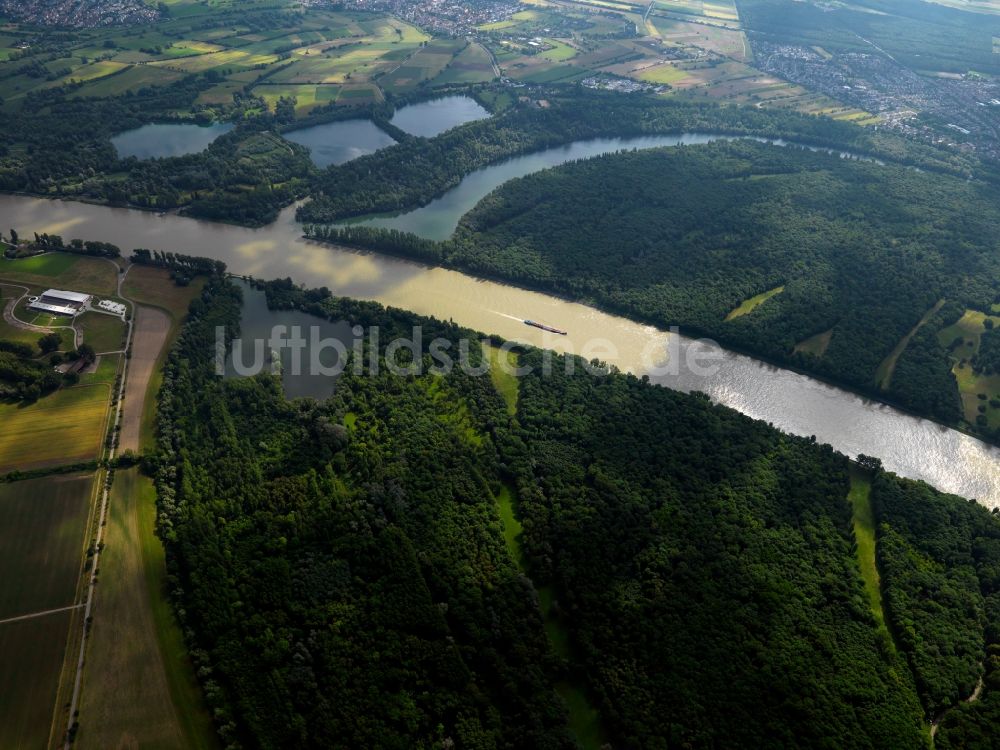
column 43, row 613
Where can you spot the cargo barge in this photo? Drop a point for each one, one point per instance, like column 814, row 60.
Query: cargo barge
column 544, row 327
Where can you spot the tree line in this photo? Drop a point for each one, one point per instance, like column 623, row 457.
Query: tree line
column 341, row 572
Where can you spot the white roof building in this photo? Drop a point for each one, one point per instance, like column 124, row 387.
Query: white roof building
column 59, row 302
column 76, row 297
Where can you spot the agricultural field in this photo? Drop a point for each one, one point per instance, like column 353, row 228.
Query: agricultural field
column 471, row 65
column 106, row 333
column 78, row 273
column 230, row 59
column 719, row 12
column 962, row 340
column 307, row 96
column 730, row 43
column 153, row 287
column 667, row 73
column 43, row 535
column 427, row 63
column 697, row 49
column 32, row 655
column 338, row 65
column 90, row 72
column 739, row 83
column 133, row 79
column 279, row 46
column 65, row 427
column 136, row 647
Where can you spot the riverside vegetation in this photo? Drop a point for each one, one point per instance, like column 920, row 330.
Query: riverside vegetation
column 858, row 252
column 343, row 577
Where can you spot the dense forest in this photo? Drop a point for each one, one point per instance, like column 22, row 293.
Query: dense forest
column 412, row 173
column 343, row 577
column 344, row 592
column 939, row 557
column 987, row 359
column 23, row 376
column 860, row 251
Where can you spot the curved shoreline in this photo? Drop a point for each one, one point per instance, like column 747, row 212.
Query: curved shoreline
column 794, row 402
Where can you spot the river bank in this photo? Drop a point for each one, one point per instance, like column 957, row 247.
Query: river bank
column 795, row 403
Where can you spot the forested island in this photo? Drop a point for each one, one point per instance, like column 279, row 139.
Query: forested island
column 345, row 579
column 411, row 174
column 844, row 268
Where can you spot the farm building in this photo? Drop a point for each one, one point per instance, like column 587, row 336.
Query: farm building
column 58, row 302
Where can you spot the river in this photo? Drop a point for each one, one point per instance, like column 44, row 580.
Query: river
column 795, row 403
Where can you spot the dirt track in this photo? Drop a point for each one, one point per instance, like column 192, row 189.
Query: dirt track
column 151, row 329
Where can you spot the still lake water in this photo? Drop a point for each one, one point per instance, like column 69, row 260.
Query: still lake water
column 339, row 142
column 431, row 118
column 795, row 403
column 167, row 139
column 252, row 355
